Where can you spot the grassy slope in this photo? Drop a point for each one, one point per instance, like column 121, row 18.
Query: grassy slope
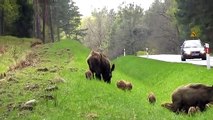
column 16, row 47
column 79, row 98
column 162, row 78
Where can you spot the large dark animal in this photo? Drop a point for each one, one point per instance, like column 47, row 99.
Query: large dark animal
column 191, row 95
column 99, row 65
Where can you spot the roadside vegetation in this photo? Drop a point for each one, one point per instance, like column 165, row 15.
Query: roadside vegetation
column 55, row 80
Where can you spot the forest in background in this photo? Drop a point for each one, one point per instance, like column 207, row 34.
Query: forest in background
column 161, row 29
column 42, row 19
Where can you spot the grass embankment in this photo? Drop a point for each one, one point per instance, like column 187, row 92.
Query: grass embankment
column 78, row 98
column 11, row 50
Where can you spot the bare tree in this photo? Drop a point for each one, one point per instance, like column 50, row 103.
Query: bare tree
column 99, row 27
column 161, row 21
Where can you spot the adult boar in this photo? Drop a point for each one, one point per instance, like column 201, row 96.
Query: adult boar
column 99, row 65
column 191, row 95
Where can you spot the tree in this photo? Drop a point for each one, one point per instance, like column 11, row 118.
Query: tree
column 161, row 22
column 23, row 25
column 112, row 32
column 127, row 30
column 28, row 18
column 67, row 17
column 8, row 14
column 50, row 22
column 196, row 16
column 98, row 29
column 1, row 20
column 44, row 12
column 37, row 25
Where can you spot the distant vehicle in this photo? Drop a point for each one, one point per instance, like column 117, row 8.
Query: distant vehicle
column 191, row 49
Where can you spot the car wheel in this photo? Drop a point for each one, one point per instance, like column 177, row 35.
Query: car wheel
column 204, row 58
column 183, row 59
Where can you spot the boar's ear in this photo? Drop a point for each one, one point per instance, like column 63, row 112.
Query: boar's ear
column 113, row 67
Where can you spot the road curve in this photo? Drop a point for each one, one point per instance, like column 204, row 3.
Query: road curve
column 177, row 58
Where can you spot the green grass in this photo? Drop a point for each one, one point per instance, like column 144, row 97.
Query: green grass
column 79, row 98
column 15, row 49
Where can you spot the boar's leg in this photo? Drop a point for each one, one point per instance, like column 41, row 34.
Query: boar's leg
column 98, row 76
column 177, row 104
column 202, row 106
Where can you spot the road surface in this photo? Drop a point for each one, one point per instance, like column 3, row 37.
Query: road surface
column 177, row 58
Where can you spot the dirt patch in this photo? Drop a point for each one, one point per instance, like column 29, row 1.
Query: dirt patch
column 35, row 43
column 51, row 88
column 48, row 97
column 3, row 49
column 92, row 116
column 31, row 86
column 12, row 79
column 11, row 107
column 31, row 59
column 29, row 105
column 8, row 77
column 43, row 69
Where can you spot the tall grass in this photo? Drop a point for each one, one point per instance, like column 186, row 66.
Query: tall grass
column 79, row 98
column 15, row 49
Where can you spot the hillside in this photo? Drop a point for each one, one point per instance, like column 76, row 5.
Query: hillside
column 55, row 79
column 11, row 49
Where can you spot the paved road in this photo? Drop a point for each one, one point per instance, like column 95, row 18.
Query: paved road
column 177, row 58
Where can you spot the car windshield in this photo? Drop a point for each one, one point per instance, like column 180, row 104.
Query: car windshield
column 192, row 44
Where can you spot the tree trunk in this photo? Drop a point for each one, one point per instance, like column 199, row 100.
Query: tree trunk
column 44, row 20
column 57, row 24
column 37, row 29
column 34, row 19
column 51, row 25
column 58, row 32
column 2, row 21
